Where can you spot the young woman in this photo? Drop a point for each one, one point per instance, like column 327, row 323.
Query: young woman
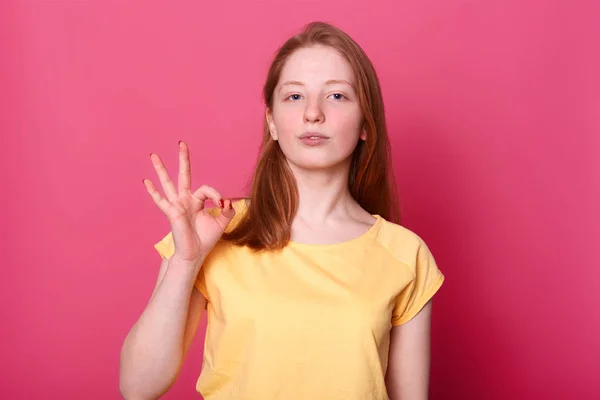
column 312, row 288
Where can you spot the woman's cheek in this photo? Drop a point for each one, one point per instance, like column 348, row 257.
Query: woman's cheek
column 287, row 124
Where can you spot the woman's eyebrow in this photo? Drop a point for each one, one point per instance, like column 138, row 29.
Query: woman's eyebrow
column 339, row 82
column 329, row 82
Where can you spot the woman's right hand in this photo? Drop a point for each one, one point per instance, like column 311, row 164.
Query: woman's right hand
column 195, row 232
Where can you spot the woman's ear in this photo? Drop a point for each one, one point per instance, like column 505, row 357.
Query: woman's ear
column 272, row 127
column 363, row 133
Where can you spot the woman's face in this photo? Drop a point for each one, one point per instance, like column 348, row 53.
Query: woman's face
column 316, row 116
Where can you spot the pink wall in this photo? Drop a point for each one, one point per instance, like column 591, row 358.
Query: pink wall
column 494, row 113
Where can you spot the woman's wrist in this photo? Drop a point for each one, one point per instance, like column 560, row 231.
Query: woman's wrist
column 185, row 268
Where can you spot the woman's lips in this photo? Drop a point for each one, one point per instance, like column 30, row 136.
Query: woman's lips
column 313, row 139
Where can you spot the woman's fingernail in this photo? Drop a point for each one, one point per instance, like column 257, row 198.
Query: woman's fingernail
column 179, row 143
column 221, row 203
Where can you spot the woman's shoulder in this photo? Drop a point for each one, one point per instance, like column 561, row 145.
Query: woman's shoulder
column 393, row 231
column 402, row 242
column 240, row 204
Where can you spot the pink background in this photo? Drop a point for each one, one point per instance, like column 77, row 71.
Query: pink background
column 493, row 109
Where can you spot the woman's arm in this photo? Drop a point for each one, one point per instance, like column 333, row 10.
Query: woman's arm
column 197, row 306
column 407, row 376
column 154, row 349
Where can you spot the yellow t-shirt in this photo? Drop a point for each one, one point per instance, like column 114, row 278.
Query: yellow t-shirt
column 311, row 321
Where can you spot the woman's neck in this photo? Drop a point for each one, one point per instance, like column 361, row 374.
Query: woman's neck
column 324, row 194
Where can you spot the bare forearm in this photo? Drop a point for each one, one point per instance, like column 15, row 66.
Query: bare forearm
column 153, row 350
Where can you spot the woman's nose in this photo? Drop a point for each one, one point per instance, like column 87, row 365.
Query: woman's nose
column 313, row 112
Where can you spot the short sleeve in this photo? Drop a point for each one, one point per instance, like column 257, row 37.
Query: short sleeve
column 166, row 248
column 427, row 281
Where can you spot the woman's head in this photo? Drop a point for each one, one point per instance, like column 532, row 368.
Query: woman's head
column 313, row 112
column 324, row 109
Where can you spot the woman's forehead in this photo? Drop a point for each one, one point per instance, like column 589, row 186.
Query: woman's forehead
column 317, row 64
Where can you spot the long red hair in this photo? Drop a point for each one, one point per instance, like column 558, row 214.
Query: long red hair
column 274, row 195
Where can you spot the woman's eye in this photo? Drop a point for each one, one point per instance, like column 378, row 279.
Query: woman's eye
column 294, row 97
column 338, row 96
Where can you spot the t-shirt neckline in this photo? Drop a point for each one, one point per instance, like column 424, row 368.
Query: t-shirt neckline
column 370, row 233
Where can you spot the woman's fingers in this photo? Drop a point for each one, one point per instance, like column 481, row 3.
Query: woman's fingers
column 173, row 194
column 228, row 211
column 206, row 192
column 163, row 176
column 185, row 175
column 160, row 201
column 226, row 215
